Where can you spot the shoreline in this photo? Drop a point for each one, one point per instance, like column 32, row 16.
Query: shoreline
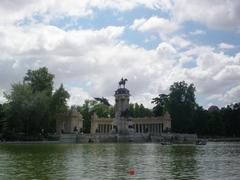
column 59, row 142
column 223, row 139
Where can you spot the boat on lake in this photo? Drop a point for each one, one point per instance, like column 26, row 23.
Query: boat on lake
column 201, row 142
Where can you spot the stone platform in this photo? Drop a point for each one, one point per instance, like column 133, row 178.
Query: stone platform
column 135, row 138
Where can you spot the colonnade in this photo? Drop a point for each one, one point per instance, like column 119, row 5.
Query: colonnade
column 155, row 128
column 104, row 128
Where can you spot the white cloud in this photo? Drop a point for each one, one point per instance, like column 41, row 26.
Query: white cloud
column 155, row 25
column 198, row 32
column 31, row 10
column 214, row 72
column 91, row 62
column 228, row 97
column 179, row 41
column 77, row 96
column 225, row 46
column 217, row 14
column 166, row 50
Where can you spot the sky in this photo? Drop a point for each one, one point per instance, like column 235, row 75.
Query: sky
column 90, row 44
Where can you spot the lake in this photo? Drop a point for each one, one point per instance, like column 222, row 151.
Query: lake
column 120, row 161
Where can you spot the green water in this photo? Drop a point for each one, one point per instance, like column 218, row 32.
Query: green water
column 113, row 161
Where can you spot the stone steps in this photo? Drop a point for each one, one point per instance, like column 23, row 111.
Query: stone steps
column 68, row 138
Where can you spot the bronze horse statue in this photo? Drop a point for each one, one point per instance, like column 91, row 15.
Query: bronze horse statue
column 122, row 82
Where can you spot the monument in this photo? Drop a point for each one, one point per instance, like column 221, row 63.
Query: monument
column 121, row 128
column 121, row 123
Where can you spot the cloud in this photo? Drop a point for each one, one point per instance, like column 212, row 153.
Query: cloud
column 198, row 32
column 90, row 62
column 179, row 41
column 23, row 11
column 77, row 96
column 225, row 46
column 214, row 72
column 124, row 5
column 155, row 25
column 166, row 50
column 227, row 97
column 216, row 14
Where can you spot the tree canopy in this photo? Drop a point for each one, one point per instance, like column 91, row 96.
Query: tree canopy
column 40, row 80
column 31, row 106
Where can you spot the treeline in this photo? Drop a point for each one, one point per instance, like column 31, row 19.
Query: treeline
column 188, row 117
column 32, row 106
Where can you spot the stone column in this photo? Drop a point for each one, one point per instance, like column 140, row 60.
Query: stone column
column 157, row 128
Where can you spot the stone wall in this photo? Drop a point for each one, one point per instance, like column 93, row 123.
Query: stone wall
column 69, row 122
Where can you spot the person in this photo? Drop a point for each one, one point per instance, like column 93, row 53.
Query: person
column 75, row 129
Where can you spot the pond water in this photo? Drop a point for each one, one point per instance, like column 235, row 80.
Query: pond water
column 119, row 161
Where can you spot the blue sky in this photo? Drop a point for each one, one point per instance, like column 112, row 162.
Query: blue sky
column 89, row 45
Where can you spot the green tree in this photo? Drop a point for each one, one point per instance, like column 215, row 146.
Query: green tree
column 92, row 106
column 40, row 80
column 136, row 112
column 28, row 112
column 2, row 117
column 103, row 101
column 181, row 105
column 59, row 100
column 131, row 110
column 58, row 105
column 200, row 121
column 87, row 111
column 31, row 106
column 161, row 104
column 231, row 117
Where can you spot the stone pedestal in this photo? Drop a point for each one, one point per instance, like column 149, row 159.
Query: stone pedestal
column 121, row 122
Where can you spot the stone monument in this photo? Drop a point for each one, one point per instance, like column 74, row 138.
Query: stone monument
column 122, row 124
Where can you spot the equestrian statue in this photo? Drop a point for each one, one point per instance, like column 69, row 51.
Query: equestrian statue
column 122, row 82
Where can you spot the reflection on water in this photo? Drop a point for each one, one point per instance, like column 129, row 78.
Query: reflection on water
column 113, row 161
column 183, row 162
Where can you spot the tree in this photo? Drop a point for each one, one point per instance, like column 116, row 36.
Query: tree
column 2, row 117
column 231, row 117
column 90, row 107
column 200, row 121
column 31, row 106
column 28, row 112
column 87, row 111
column 136, row 112
column 161, row 104
column 103, row 101
column 181, row 105
column 58, row 105
column 59, row 100
column 40, row 80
